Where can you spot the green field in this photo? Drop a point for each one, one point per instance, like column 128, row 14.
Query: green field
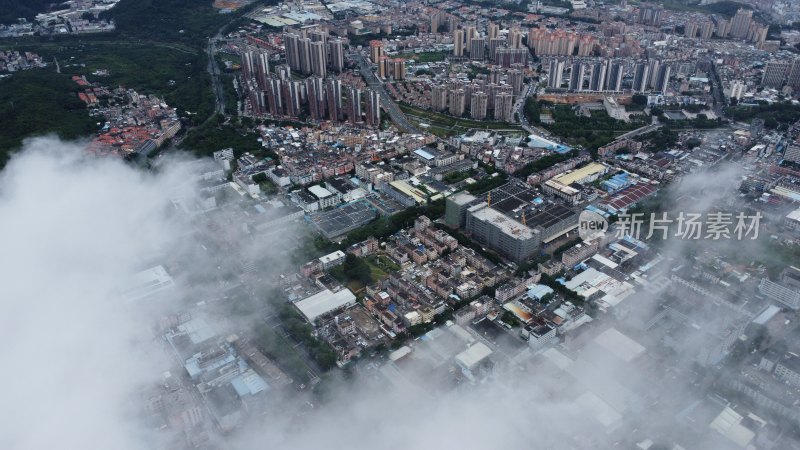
column 444, row 125
column 37, row 102
column 424, row 57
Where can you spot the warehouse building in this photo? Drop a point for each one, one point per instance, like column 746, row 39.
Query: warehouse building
column 324, row 302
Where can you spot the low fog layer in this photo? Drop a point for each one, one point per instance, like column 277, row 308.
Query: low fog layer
column 76, row 352
column 73, row 230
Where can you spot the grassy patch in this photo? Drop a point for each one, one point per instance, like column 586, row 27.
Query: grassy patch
column 424, row 57
column 724, row 8
column 449, row 125
column 268, row 187
column 379, row 268
column 455, row 177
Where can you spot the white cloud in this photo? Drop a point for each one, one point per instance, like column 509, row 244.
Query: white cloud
column 72, row 230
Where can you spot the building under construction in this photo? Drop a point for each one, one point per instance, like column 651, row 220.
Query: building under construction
column 510, row 219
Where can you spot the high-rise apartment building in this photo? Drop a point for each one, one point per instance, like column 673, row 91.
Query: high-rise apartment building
column 456, row 102
column 478, row 105
column 477, row 49
column 333, row 94
column 740, row 24
column 336, row 52
column 577, row 75
column 458, row 43
column 373, row 108
column 354, row 110
column 775, row 74
column 615, row 73
column 319, row 58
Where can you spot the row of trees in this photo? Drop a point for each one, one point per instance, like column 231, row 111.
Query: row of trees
column 354, row 269
column 301, row 332
column 545, row 163
column 774, row 115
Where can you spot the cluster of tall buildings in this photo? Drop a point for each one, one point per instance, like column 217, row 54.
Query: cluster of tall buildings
column 547, row 42
column 505, row 51
column 255, row 66
column 742, row 26
column 319, row 96
column 313, row 52
column 442, row 21
column 388, row 68
column 650, row 14
column 584, row 75
column 494, row 93
column 780, row 73
column 278, row 94
column 651, row 76
column 703, row 30
column 606, row 75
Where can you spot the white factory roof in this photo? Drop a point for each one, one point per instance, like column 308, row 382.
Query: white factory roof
column 619, row 345
column 506, row 224
column 319, row 191
column 794, row 215
column 605, row 261
column 399, row 353
column 198, row 330
column 538, row 291
column 470, row 357
column 424, row 154
column 561, row 360
column 599, row 409
column 147, row 283
column 766, row 315
column 324, row 302
column 728, row 424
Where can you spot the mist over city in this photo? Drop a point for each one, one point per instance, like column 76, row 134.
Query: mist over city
column 360, row 224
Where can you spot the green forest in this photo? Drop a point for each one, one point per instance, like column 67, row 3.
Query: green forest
column 591, row 132
column 37, row 102
column 188, row 22
column 11, row 10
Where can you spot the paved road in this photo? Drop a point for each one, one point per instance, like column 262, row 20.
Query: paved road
column 529, row 90
column 397, row 116
column 216, row 78
column 519, row 108
column 643, row 130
